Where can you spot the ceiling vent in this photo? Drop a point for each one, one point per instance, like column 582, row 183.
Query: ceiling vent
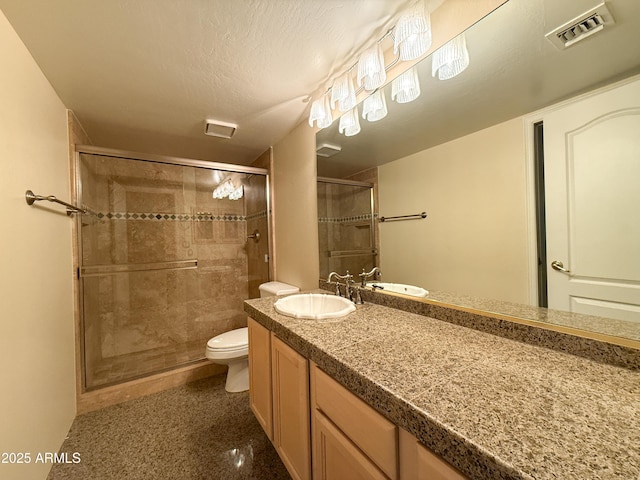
column 216, row 128
column 581, row 27
column 327, row 150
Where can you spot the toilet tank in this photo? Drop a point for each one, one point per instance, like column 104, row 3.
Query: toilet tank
column 274, row 289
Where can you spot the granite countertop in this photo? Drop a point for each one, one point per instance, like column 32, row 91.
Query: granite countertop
column 625, row 329
column 493, row 407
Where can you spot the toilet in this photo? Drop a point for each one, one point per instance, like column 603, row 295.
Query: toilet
column 232, row 348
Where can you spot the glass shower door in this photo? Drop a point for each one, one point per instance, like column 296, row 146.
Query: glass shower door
column 164, row 265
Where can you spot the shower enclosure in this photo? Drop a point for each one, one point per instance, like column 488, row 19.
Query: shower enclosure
column 346, row 227
column 164, row 266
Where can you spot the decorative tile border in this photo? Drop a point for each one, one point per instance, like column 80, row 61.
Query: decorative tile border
column 177, row 217
column 355, row 218
column 254, row 216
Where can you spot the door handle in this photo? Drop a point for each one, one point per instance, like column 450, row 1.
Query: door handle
column 559, row 266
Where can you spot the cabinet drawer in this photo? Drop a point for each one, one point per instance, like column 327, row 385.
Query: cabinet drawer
column 375, row 435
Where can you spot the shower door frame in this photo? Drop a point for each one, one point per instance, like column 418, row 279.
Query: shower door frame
column 154, row 158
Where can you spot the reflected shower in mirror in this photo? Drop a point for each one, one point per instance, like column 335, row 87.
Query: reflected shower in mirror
column 463, row 152
column 346, row 227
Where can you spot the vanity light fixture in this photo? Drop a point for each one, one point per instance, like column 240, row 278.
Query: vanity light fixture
column 350, row 123
column 406, row 87
column 343, row 92
column 412, row 34
column 374, row 107
column 451, row 59
column 321, row 112
column 412, row 38
column 371, row 69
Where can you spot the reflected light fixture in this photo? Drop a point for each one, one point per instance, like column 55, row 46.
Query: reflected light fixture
column 374, row 107
column 343, row 93
column 228, row 189
column 412, row 34
column 371, row 68
column 321, row 112
column 237, row 193
column 406, row 87
column 451, row 59
column 349, row 123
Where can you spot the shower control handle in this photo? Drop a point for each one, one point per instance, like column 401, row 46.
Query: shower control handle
column 255, row 235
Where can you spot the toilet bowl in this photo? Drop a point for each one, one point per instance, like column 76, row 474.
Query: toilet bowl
column 232, row 348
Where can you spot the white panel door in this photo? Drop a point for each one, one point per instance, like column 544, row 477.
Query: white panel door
column 592, row 182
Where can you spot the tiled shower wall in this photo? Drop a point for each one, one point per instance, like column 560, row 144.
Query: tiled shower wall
column 145, row 307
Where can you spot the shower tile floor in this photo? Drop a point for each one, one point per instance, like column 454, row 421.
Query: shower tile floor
column 195, row 431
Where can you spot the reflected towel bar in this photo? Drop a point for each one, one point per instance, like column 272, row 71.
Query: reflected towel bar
column 71, row 209
column 416, row 216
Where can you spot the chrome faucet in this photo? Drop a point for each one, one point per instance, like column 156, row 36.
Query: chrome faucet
column 364, row 275
column 348, row 281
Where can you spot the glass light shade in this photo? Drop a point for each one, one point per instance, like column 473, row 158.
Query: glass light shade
column 237, row 193
column 412, row 34
column 320, row 113
column 451, row 59
column 374, row 107
column 343, row 93
column 349, row 123
column 371, row 72
column 224, row 189
column 406, row 87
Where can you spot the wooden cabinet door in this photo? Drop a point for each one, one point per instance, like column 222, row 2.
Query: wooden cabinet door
column 260, row 394
column 417, row 462
column 290, row 380
column 336, row 458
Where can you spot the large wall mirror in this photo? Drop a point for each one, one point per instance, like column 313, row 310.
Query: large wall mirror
column 464, row 152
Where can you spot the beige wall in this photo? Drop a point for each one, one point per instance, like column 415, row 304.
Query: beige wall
column 474, row 240
column 37, row 403
column 295, row 210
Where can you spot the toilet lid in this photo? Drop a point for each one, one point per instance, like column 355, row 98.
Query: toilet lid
column 233, row 340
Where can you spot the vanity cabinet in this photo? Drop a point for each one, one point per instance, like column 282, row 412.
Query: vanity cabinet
column 419, row 463
column 335, row 457
column 279, row 397
column 290, row 383
column 293, row 398
column 260, row 394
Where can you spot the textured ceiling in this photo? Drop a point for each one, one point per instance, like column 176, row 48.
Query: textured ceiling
column 143, row 75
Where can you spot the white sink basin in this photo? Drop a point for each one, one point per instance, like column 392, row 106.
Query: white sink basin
column 315, row 306
column 400, row 288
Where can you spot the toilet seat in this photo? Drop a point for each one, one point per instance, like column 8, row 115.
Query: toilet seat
column 235, row 340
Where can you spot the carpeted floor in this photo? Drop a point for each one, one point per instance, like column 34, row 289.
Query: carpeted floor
column 196, row 431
